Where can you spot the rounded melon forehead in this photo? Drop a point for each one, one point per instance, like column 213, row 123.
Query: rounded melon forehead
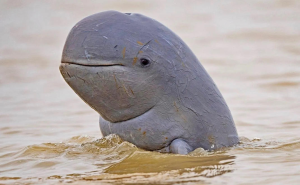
column 119, row 22
column 107, row 34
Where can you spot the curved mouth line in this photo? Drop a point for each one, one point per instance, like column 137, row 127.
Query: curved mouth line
column 92, row 65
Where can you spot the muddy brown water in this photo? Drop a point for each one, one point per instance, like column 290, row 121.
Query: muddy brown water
column 251, row 49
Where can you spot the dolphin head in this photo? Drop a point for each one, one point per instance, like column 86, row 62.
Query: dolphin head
column 125, row 65
column 118, row 64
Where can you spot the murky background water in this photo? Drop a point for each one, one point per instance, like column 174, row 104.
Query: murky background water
column 48, row 135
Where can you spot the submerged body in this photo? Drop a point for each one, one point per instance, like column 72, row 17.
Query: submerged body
column 146, row 84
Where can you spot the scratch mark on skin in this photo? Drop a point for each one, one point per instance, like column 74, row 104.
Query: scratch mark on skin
column 175, row 49
column 132, row 42
column 131, row 90
column 140, row 43
column 181, row 115
column 117, row 85
column 123, row 52
column 105, row 37
column 192, row 110
column 82, row 44
column 145, row 44
column 69, row 75
column 140, row 51
column 80, row 78
column 134, row 60
column 97, row 25
column 125, row 89
column 87, row 55
column 145, row 80
column 177, row 110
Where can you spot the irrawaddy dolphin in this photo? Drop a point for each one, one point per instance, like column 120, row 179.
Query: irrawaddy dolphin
column 146, row 84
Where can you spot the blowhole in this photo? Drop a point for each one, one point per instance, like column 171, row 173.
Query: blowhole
column 128, row 13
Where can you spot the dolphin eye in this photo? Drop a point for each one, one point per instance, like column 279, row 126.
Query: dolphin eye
column 144, row 62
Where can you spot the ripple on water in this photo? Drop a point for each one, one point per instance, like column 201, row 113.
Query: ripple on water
column 110, row 159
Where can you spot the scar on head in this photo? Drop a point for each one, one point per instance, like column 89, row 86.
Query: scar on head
column 134, row 60
column 125, row 88
column 131, row 90
column 117, row 85
column 177, row 110
column 140, row 43
column 123, row 52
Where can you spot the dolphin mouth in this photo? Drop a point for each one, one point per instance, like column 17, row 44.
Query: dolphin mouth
column 92, row 65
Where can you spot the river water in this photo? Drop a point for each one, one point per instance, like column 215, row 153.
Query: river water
column 48, row 135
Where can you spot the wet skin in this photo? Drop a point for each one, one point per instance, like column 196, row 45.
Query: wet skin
column 146, row 84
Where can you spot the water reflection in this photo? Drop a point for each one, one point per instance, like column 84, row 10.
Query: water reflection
column 152, row 162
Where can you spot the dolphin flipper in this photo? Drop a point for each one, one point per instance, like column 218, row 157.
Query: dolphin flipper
column 178, row 146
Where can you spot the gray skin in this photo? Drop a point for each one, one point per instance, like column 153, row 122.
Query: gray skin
column 146, row 84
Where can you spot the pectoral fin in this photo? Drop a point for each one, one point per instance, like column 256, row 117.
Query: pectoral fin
column 178, row 146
